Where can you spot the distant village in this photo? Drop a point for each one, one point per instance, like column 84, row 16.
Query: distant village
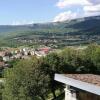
column 9, row 54
column 57, row 41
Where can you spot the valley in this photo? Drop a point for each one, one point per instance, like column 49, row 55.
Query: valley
column 80, row 31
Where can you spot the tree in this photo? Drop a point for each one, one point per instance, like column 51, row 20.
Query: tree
column 1, row 87
column 91, row 59
column 71, row 60
column 26, row 81
column 1, row 59
column 55, row 64
column 53, row 61
column 95, row 57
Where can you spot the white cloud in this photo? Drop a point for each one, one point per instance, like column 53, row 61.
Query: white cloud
column 94, row 8
column 88, row 8
column 87, row 14
column 94, row 2
column 68, row 15
column 66, row 3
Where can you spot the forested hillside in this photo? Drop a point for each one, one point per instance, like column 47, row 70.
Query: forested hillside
column 77, row 31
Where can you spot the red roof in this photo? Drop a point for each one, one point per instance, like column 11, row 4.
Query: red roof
column 46, row 50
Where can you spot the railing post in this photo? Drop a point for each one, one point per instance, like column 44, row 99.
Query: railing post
column 70, row 94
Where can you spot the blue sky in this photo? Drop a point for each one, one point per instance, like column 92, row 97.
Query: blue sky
column 13, row 11
column 28, row 11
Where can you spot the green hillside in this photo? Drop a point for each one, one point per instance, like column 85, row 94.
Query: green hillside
column 77, row 31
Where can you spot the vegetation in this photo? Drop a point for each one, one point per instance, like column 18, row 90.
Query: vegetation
column 26, row 81
column 1, row 87
column 34, row 79
column 74, row 32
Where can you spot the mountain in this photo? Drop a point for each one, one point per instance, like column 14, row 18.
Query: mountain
column 88, row 24
column 84, row 29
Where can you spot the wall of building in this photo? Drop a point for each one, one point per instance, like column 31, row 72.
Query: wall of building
column 82, row 95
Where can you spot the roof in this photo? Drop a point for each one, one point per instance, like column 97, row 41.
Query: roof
column 2, row 64
column 87, row 82
column 89, row 78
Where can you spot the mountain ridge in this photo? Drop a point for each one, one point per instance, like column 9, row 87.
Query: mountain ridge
column 75, row 24
column 77, row 31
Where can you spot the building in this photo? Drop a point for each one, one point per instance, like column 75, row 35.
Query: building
column 2, row 64
column 45, row 50
column 32, row 52
column 2, row 53
column 18, row 56
column 80, row 86
column 6, row 58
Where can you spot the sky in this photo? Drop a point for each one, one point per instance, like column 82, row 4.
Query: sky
column 15, row 12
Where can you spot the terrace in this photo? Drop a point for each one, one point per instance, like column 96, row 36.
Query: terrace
column 80, row 86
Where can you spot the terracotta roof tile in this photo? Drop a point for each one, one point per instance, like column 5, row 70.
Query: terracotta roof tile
column 88, row 78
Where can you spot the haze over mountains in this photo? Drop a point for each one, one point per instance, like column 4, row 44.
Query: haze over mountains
column 88, row 24
column 59, row 34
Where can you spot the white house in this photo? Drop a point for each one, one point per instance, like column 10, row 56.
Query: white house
column 32, row 52
column 6, row 58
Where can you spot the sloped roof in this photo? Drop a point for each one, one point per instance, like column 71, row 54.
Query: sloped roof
column 89, row 78
column 87, row 82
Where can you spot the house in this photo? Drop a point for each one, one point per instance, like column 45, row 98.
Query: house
column 42, row 52
column 26, row 53
column 32, row 52
column 6, row 58
column 46, row 49
column 39, row 54
column 18, row 56
column 2, row 53
column 2, row 64
column 80, row 86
